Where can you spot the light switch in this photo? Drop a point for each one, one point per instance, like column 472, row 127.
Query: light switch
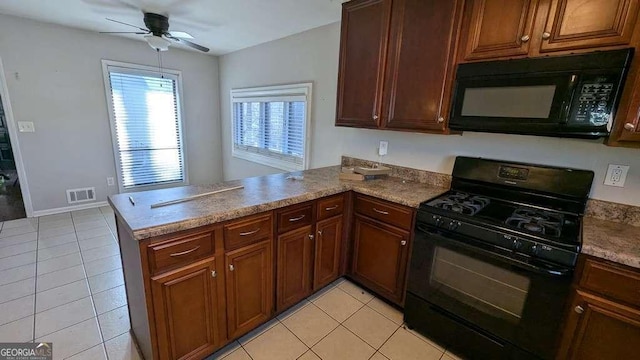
column 26, row 126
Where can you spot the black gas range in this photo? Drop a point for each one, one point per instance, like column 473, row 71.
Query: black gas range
column 493, row 258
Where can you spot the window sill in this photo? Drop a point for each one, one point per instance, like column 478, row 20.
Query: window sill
column 268, row 161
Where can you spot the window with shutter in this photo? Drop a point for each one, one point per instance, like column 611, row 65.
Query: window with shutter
column 271, row 125
column 144, row 109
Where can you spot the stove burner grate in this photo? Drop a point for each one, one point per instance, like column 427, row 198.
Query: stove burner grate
column 537, row 221
column 461, row 203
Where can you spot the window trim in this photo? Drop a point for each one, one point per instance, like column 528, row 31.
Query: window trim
column 294, row 90
column 144, row 70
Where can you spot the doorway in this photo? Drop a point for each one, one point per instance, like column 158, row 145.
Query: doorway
column 11, row 201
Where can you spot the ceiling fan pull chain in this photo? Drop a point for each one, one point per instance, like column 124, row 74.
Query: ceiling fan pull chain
column 160, row 65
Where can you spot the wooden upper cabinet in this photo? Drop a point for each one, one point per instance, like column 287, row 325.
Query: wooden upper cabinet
column 295, row 266
column 419, row 64
column 186, row 311
column 582, row 24
column 497, row 28
column 249, row 278
column 363, row 47
column 597, row 328
column 328, row 251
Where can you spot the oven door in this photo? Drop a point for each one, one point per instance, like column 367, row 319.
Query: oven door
column 521, row 104
column 521, row 303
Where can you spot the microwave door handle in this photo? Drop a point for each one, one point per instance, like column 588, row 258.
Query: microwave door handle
column 566, row 104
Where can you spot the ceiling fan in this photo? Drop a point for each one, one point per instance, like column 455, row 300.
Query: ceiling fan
column 157, row 33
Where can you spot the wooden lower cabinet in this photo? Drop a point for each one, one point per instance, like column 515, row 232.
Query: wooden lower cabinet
column 249, row 280
column 328, row 252
column 295, row 265
column 186, row 311
column 380, row 254
column 598, row 328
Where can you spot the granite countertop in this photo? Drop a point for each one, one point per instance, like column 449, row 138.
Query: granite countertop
column 611, row 240
column 259, row 194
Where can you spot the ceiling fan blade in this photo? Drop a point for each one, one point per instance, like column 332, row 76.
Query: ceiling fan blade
column 181, row 35
column 188, row 43
column 124, row 32
column 124, row 23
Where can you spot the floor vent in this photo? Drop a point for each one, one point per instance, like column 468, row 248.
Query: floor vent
column 75, row 196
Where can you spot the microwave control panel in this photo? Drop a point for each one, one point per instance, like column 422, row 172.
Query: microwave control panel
column 594, row 101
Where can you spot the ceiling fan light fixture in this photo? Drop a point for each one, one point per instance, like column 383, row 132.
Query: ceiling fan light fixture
column 157, row 42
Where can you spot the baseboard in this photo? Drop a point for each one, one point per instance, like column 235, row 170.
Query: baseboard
column 59, row 210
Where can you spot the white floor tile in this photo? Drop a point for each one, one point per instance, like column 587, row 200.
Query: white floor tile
column 341, row 344
column 17, row 290
column 74, row 339
column 32, row 222
column 57, row 231
column 18, row 249
column 92, row 224
column 405, row 346
column 355, row 291
column 16, row 309
column 17, row 231
column 95, row 353
column 100, row 252
column 386, row 310
column 97, row 242
column 106, row 281
column 122, row 348
column 61, row 277
column 103, row 265
column 57, row 251
column 59, row 263
column 55, row 224
column 91, row 233
column 338, row 304
column 258, row 331
column 17, row 331
column 61, row 295
column 54, row 217
column 18, row 260
column 17, row 273
column 110, row 299
column 18, row 239
column 64, row 316
column 56, row 240
column 85, row 212
column 276, row 343
column 114, row 323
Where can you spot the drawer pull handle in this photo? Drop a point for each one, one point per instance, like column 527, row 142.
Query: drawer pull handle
column 403, row 242
column 231, row 268
column 185, row 252
column 579, row 309
column 381, row 211
column 331, row 208
column 629, row 127
column 296, row 218
column 214, row 273
column 249, row 232
column 311, row 237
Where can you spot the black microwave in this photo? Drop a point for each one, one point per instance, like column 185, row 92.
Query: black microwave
column 566, row 96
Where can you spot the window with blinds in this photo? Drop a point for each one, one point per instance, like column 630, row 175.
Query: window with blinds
column 270, row 125
column 146, row 127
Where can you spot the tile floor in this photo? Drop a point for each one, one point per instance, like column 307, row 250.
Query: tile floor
column 61, row 281
column 342, row 321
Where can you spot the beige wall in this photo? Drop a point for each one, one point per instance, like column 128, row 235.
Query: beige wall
column 313, row 56
column 54, row 78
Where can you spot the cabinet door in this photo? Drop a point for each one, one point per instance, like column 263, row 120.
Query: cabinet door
column 380, row 257
column 600, row 329
column 497, row 28
column 626, row 129
column 295, row 266
column 249, row 278
column 186, row 311
column 328, row 251
column 420, row 64
column 363, row 47
column 578, row 24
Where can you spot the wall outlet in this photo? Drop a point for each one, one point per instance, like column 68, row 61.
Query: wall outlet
column 383, row 148
column 26, row 126
column 110, row 181
column 616, row 175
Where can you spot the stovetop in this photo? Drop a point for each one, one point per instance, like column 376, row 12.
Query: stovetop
column 526, row 219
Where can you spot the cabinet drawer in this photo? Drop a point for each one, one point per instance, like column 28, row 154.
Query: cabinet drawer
column 181, row 251
column 247, row 231
column 384, row 211
column 330, row 206
column 295, row 217
column 611, row 280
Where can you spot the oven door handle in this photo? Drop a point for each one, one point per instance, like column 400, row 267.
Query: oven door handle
column 554, row 271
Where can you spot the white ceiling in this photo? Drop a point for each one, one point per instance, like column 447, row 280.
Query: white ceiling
column 222, row 25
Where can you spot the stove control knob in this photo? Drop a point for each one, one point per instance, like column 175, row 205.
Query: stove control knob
column 516, row 245
column 437, row 219
column 534, row 249
column 454, row 225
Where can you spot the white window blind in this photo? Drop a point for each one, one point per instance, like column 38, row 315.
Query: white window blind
column 270, row 125
column 146, row 127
